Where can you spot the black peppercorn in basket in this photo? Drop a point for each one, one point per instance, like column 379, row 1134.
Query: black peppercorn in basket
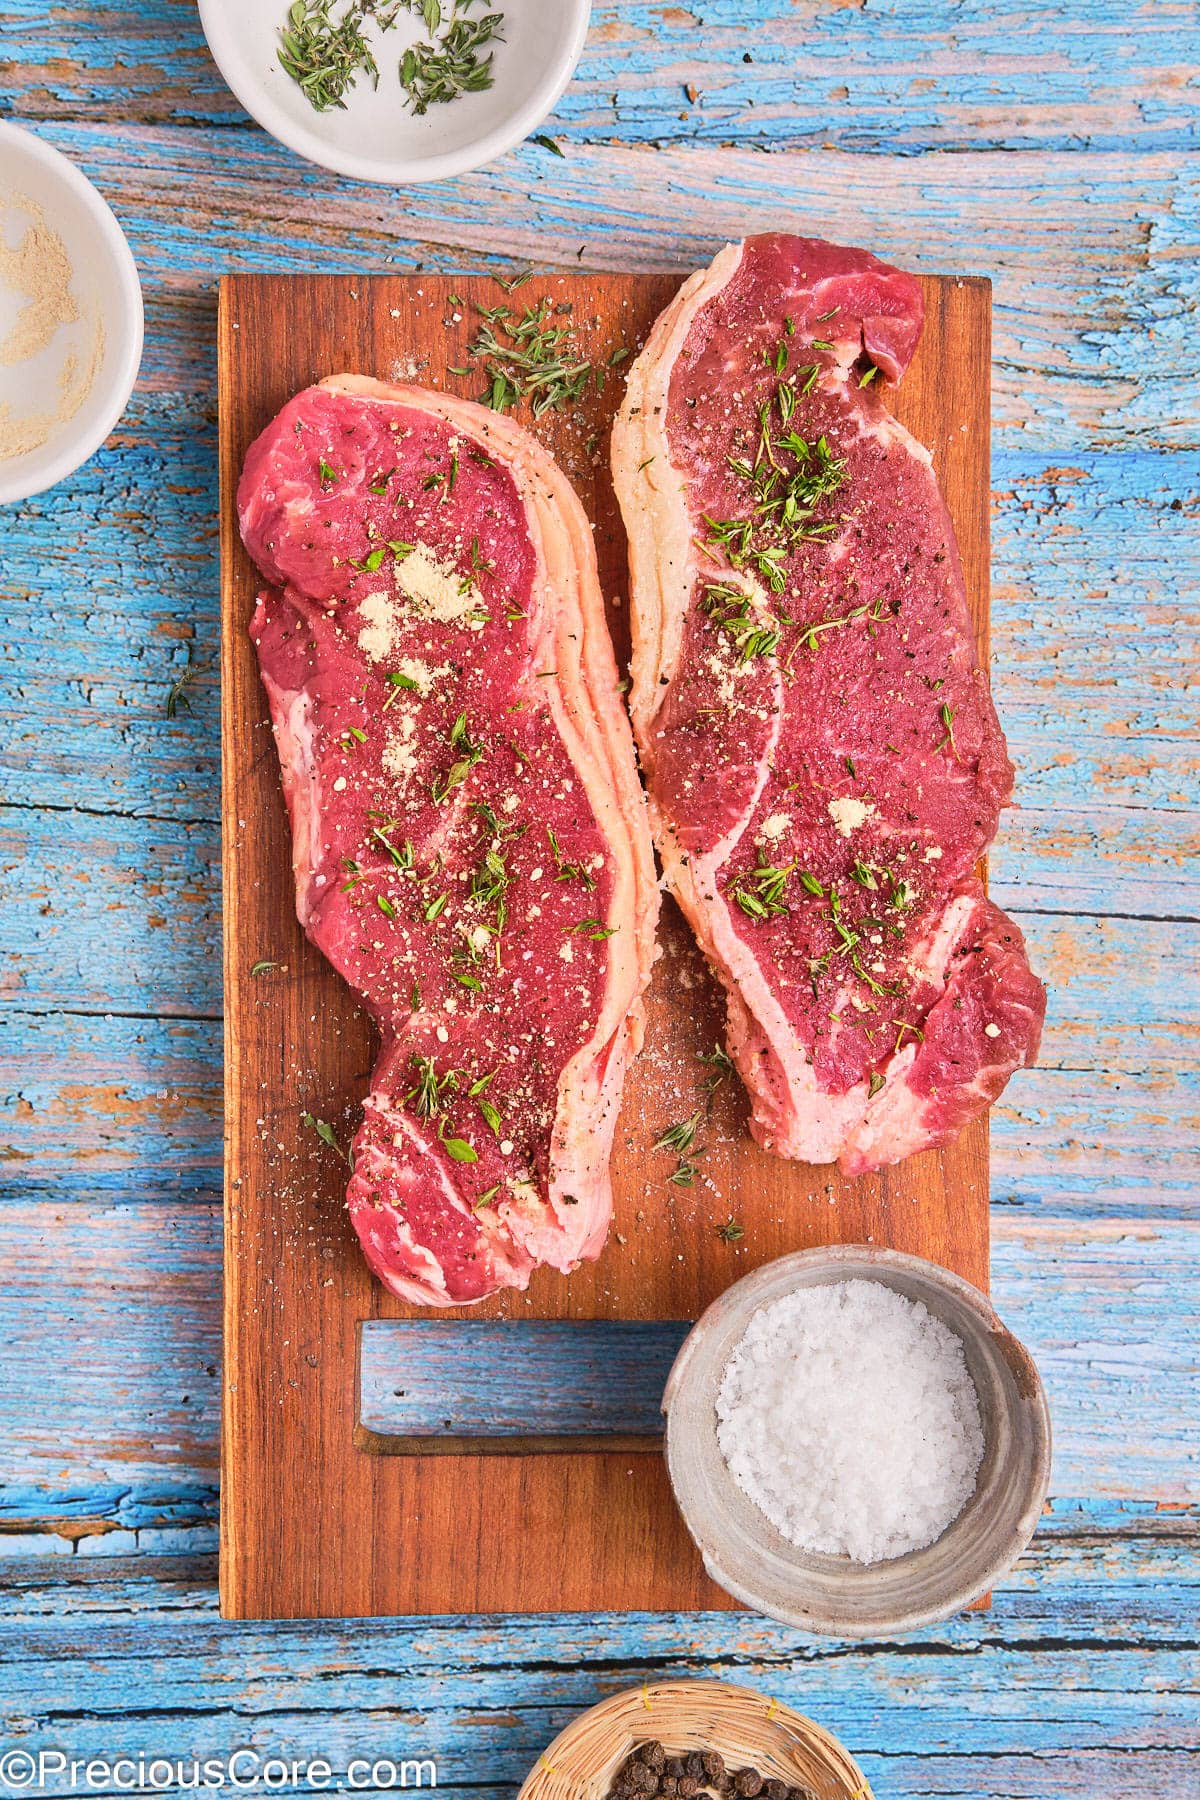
column 760, row 1746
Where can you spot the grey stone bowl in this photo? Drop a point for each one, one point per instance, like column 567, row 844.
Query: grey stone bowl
column 744, row 1553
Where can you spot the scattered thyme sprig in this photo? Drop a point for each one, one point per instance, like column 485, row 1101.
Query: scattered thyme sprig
column 527, row 356
column 328, row 1136
column 177, row 694
column 788, row 477
column 681, row 1138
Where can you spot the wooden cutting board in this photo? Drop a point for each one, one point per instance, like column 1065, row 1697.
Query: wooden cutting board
column 313, row 1522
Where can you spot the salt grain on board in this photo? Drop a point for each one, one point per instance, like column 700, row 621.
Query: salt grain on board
column 847, row 1415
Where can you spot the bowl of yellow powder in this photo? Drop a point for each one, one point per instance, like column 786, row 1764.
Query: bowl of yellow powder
column 70, row 317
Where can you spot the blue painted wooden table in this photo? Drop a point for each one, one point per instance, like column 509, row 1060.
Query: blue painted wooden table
column 1050, row 147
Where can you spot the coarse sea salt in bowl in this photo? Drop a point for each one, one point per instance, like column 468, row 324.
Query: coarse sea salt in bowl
column 816, row 1431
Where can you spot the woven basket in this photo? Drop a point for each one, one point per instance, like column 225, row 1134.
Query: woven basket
column 747, row 1728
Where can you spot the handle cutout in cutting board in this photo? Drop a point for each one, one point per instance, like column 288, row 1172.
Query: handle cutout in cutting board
column 482, row 1387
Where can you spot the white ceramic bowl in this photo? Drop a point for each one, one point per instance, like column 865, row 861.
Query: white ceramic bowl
column 742, row 1550
column 375, row 137
column 107, row 295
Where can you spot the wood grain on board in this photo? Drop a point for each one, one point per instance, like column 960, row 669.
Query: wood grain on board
column 312, row 1525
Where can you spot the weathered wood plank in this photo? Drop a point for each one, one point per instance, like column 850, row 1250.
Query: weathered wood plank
column 111, row 914
column 1093, row 283
column 97, row 1104
column 1088, row 256
column 891, row 80
column 973, row 1708
column 112, row 1397
column 1136, row 1560
column 118, row 914
column 110, row 1105
column 1092, row 565
column 101, row 1104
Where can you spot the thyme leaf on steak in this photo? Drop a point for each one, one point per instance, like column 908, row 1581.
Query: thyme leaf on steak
column 567, row 871
column 760, row 891
column 731, row 1232
column 372, row 561
column 946, row 715
column 592, row 928
column 489, row 1112
column 447, row 480
column 849, row 938
column 489, row 886
column 431, row 1095
column 469, row 753
column 906, row 1030
column 457, row 1148
column 874, row 611
column 789, row 477
column 734, row 612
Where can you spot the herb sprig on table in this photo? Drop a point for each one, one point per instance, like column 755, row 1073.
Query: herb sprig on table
column 325, row 49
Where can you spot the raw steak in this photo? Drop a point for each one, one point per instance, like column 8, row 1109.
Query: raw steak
column 469, row 836
column 824, row 761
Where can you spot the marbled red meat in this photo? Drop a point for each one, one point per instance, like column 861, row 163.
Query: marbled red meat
column 469, row 837
column 824, row 761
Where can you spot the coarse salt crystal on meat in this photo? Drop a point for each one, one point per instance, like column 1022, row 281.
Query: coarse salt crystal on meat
column 824, row 761
column 464, row 802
